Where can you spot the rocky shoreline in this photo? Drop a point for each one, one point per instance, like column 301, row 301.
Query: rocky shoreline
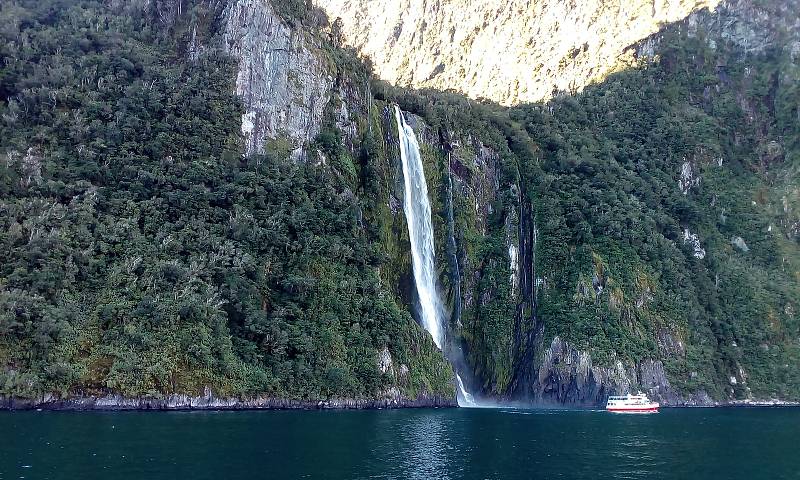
column 186, row 402
column 189, row 403
column 731, row 404
column 564, row 376
column 755, row 403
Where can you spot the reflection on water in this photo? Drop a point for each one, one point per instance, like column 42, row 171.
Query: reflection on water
column 414, row 444
column 425, row 454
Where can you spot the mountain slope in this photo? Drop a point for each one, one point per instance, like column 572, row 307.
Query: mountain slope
column 144, row 255
column 202, row 199
column 506, row 51
column 615, row 249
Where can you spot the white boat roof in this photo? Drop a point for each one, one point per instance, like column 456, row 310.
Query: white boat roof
column 625, row 397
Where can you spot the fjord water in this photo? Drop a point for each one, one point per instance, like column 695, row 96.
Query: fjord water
column 723, row 443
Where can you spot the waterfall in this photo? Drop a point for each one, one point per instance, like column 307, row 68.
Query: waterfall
column 465, row 399
column 417, row 208
column 420, row 231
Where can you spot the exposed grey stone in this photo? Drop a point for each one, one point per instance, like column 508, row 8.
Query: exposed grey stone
column 385, row 361
column 390, row 399
column 285, row 86
column 739, row 243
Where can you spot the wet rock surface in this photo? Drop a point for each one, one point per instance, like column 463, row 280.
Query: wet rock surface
column 566, row 376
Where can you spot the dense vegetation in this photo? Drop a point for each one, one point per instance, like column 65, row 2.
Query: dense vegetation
column 142, row 254
column 619, row 179
column 614, row 215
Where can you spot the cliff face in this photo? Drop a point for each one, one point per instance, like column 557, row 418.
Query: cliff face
column 640, row 235
column 257, row 281
column 568, row 376
column 512, row 281
column 507, row 51
column 738, row 46
column 284, row 85
column 558, row 302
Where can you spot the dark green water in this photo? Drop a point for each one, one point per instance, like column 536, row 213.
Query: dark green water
column 416, row 444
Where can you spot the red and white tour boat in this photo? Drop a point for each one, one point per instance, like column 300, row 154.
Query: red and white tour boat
column 631, row 404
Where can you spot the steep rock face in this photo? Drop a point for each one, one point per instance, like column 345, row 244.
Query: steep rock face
column 537, row 46
column 741, row 35
column 750, row 25
column 463, row 184
column 285, row 86
column 565, row 375
column 289, row 94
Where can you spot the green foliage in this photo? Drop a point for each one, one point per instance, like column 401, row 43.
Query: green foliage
column 618, row 271
column 141, row 254
column 614, row 273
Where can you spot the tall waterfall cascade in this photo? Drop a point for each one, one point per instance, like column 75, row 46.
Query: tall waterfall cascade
column 417, row 208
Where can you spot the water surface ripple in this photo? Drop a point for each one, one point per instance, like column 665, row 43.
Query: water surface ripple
column 405, row 444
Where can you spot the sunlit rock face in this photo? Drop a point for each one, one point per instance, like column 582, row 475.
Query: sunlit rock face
column 284, row 86
column 509, row 51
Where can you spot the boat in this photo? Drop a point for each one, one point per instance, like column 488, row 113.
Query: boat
column 631, row 404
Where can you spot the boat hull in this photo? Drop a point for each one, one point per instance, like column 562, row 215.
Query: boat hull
column 634, row 409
